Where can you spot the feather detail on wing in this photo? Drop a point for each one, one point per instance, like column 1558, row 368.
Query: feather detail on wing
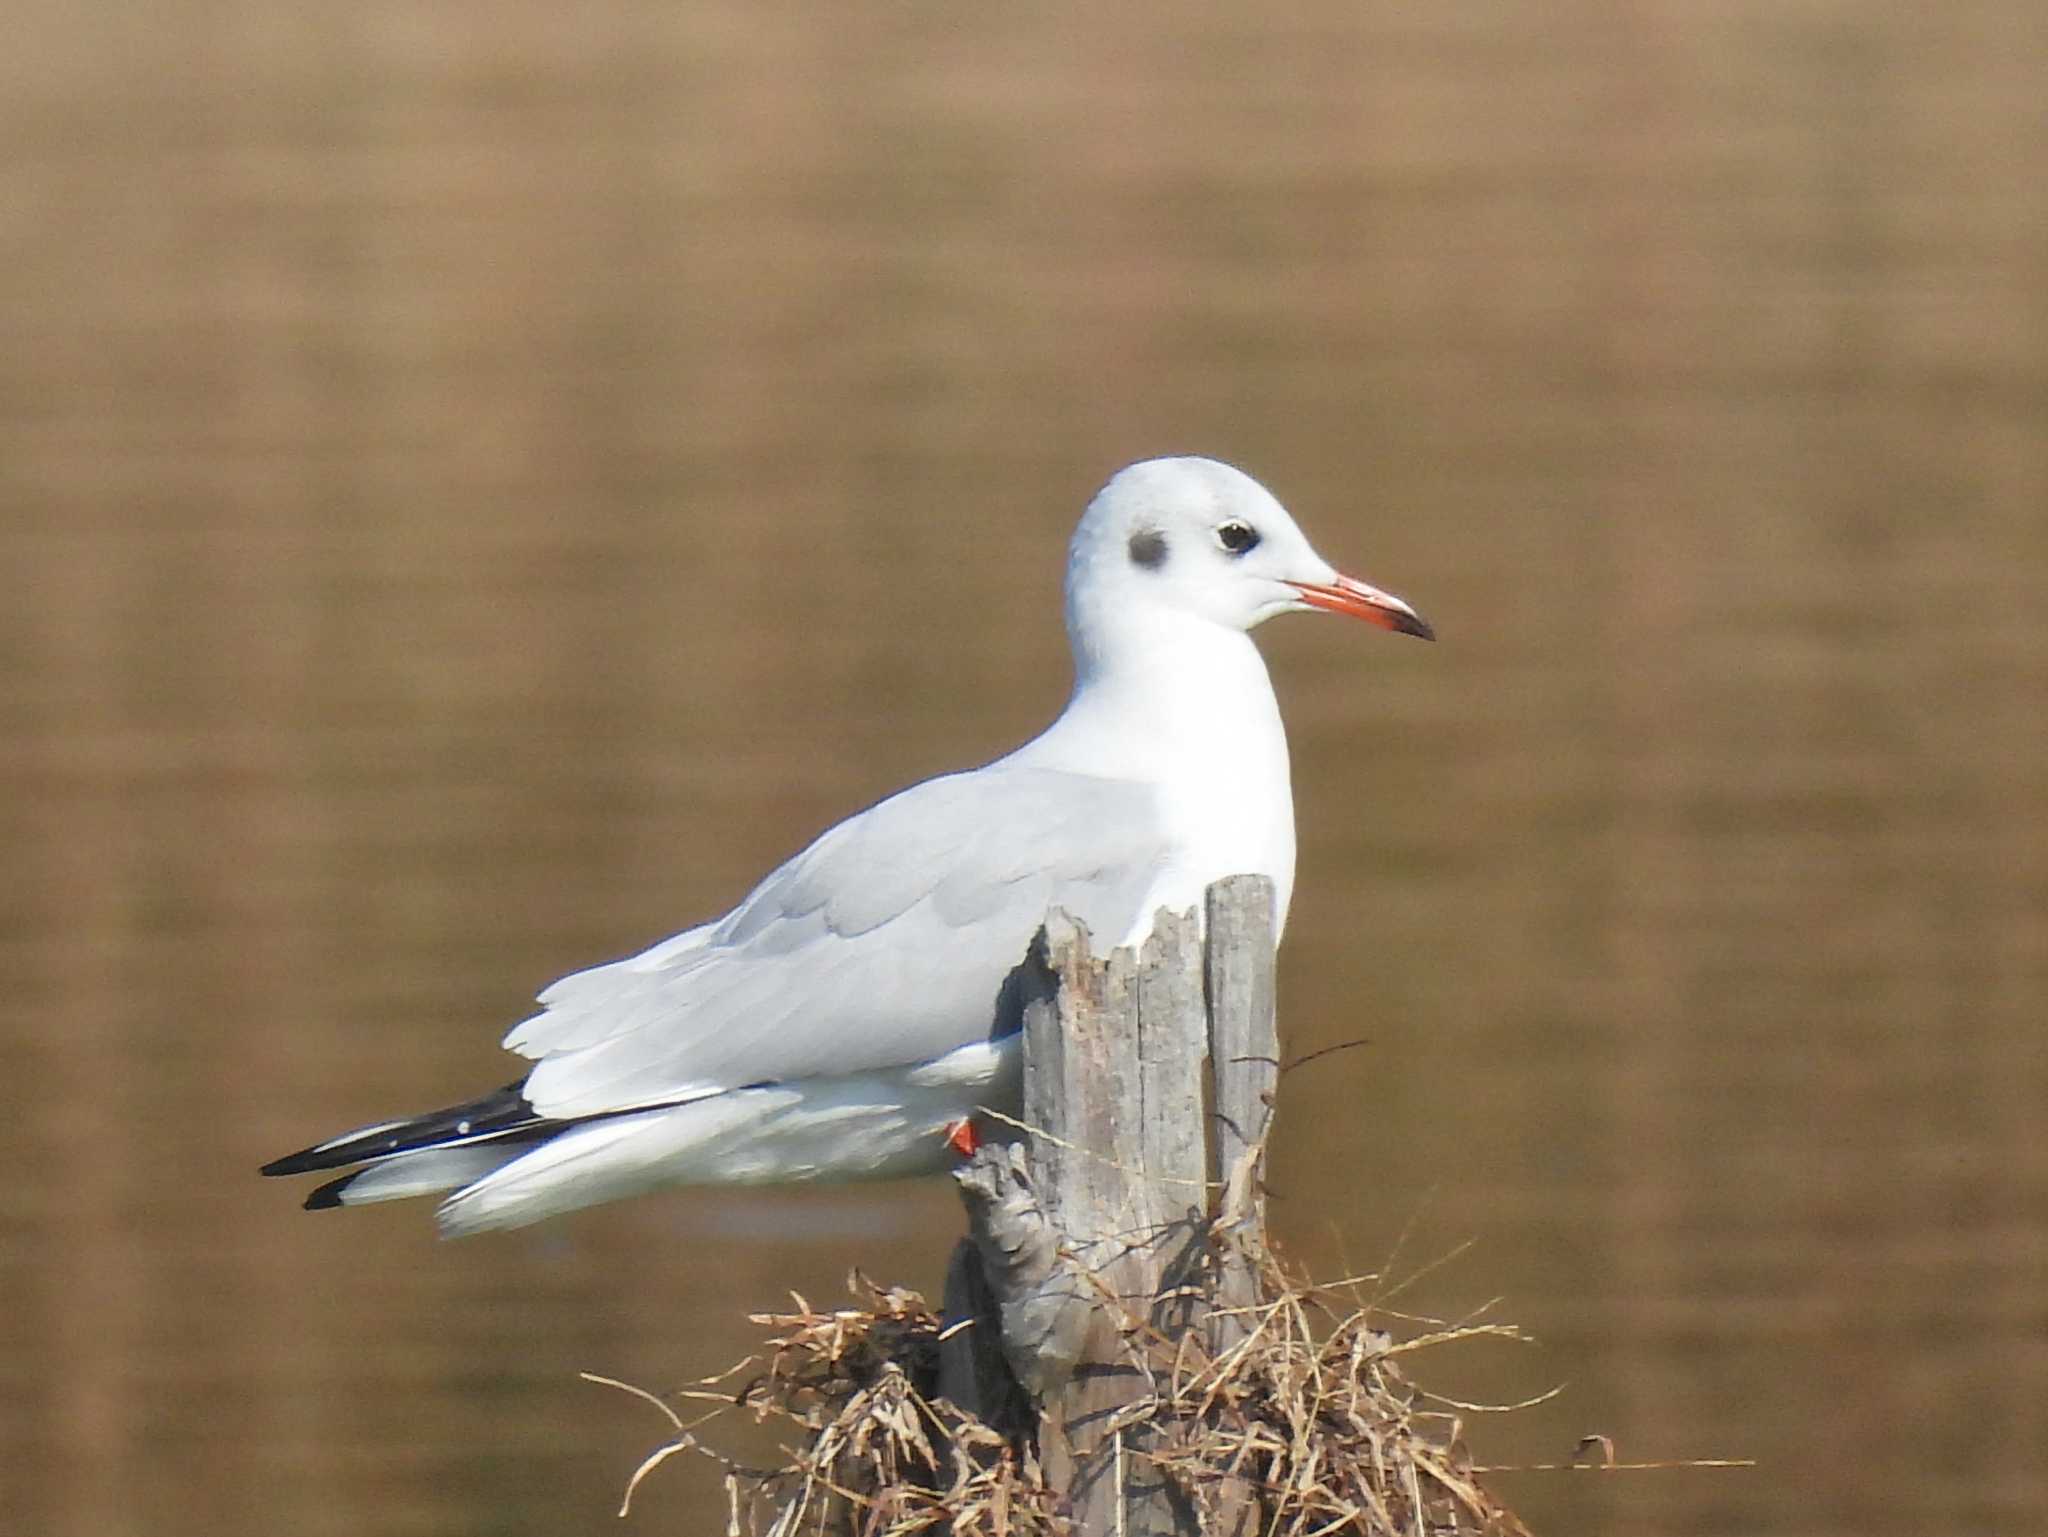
column 883, row 944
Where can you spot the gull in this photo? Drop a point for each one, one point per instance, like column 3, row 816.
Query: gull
column 844, row 1021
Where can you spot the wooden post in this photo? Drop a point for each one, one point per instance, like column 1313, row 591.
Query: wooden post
column 1244, row 1052
column 1089, row 1245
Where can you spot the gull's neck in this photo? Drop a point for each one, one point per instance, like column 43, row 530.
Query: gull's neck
column 1185, row 705
column 1170, row 691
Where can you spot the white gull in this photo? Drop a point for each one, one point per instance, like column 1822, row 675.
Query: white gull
column 843, row 1021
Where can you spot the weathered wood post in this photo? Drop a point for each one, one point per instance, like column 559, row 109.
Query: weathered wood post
column 1244, row 1056
column 1122, row 1222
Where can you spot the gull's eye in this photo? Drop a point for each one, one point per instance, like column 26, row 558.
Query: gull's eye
column 1238, row 538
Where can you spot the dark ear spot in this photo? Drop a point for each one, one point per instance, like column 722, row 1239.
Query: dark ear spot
column 1148, row 549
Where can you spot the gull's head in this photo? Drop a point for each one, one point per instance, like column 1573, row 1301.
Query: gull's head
column 1195, row 537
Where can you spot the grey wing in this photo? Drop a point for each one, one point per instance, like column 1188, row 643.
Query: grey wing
column 883, row 944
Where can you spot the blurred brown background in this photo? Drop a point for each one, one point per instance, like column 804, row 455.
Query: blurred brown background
column 481, row 482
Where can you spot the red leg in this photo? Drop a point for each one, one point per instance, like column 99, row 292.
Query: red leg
column 962, row 1138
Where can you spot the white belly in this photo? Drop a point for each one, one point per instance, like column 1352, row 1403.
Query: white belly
column 881, row 1125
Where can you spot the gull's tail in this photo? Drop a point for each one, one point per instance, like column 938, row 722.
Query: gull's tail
column 506, row 1164
column 509, row 1165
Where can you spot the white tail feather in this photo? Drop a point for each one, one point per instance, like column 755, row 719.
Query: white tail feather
column 425, row 1172
column 604, row 1160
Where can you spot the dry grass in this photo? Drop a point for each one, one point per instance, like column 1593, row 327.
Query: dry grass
column 883, row 1456
column 1302, row 1405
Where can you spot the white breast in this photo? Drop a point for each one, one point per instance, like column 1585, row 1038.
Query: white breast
column 1201, row 726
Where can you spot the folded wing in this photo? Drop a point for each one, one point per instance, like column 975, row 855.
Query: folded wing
column 884, row 943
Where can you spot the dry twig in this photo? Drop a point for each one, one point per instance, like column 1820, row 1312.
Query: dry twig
column 1306, row 1408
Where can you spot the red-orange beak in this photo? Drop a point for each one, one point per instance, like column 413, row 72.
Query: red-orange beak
column 1344, row 596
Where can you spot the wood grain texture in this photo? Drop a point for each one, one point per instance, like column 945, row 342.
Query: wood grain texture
column 1095, row 1244
column 1244, row 1051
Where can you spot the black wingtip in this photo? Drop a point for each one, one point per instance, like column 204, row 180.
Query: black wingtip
column 292, row 1163
column 494, row 1114
column 328, row 1196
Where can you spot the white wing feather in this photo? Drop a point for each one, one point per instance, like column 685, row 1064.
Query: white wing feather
column 881, row 945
